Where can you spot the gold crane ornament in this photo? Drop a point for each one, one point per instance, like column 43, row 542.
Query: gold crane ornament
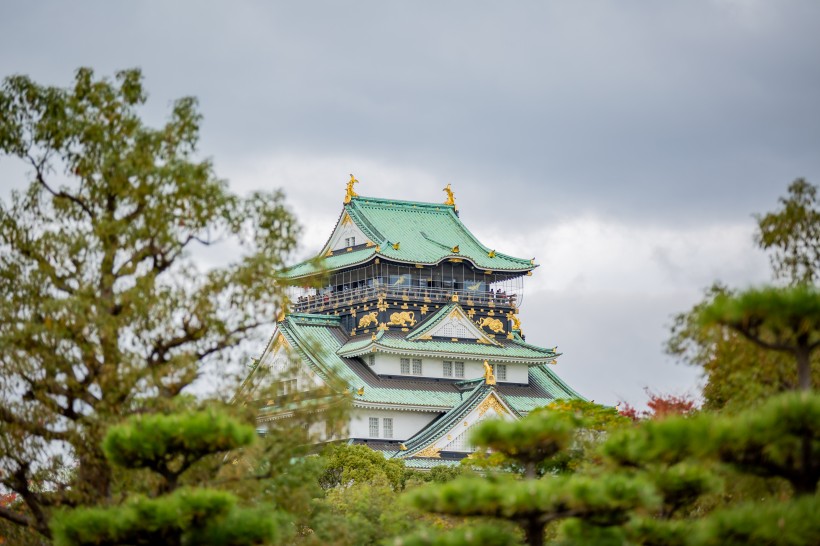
column 489, row 378
column 451, row 199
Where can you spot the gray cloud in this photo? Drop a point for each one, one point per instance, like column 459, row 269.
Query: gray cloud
column 653, row 116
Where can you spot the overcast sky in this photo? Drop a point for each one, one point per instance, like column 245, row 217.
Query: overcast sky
column 623, row 144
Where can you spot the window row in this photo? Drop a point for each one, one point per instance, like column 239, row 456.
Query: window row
column 387, row 427
column 449, row 368
column 453, row 369
column 406, row 366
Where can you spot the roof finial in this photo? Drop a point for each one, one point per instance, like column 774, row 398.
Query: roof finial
column 350, row 193
column 451, row 200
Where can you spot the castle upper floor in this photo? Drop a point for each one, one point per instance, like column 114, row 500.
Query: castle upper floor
column 405, row 251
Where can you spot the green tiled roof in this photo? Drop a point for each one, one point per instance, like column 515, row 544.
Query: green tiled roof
column 426, row 233
column 427, row 464
column 313, row 337
column 329, row 263
column 547, row 380
column 507, row 350
column 317, row 339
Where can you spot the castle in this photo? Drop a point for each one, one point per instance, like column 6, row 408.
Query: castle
column 412, row 317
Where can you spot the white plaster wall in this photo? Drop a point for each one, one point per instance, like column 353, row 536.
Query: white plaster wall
column 388, row 364
column 405, row 423
column 350, row 230
column 385, row 364
column 516, row 373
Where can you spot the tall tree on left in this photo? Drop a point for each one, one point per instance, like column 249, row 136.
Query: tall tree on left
column 103, row 309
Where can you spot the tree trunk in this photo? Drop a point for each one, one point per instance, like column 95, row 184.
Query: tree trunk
column 807, row 483
column 534, row 532
column 803, row 356
column 530, row 470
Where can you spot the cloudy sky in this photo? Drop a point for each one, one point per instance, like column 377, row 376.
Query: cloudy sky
column 623, row 144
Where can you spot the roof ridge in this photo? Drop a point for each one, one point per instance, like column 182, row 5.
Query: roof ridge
column 401, row 202
column 442, row 245
column 360, row 219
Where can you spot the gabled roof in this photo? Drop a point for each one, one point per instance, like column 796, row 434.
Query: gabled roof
column 436, row 431
column 413, row 233
column 432, row 327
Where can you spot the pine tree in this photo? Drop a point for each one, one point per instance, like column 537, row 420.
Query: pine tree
column 170, row 513
column 779, row 319
column 531, row 503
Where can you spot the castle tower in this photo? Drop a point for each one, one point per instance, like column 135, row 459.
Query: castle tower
column 411, row 315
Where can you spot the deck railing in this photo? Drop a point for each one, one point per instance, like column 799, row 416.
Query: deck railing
column 333, row 300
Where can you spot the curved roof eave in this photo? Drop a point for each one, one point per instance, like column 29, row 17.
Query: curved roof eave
column 374, row 254
column 378, row 347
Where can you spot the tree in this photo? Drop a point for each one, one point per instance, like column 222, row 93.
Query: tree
column 348, row 464
column 170, row 514
column 793, row 234
column 660, row 406
column 649, row 481
column 586, row 423
column 784, row 320
column 103, row 310
column 685, row 457
column 739, row 373
column 532, row 503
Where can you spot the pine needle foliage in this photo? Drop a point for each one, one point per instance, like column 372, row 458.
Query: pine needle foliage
column 529, row 441
column 794, row 523
column 169, row 445
column 740, row 372
column 779, row 319
column 532, row 503
column 781, row 439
